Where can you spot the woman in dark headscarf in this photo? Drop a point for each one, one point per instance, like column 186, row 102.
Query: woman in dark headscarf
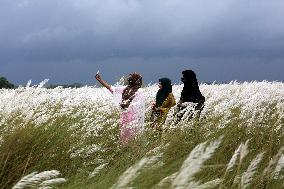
column 190, row 91
column 132, row 102
column 164, row 101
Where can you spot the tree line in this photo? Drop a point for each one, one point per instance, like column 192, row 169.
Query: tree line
column 5, row 84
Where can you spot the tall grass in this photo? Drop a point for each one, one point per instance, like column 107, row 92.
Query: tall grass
column 75, row 132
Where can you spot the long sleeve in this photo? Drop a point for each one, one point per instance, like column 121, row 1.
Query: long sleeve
column 168, row 103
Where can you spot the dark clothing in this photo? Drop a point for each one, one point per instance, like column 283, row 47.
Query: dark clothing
column 192, row 94
column 190, row 91
column 163, row 93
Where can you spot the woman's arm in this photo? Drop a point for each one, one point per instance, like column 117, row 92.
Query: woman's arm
column 104, row 83
column 168, row 103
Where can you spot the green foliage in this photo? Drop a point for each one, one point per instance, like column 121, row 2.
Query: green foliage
column 5, row 84
column 46, row 147
column 81, row 141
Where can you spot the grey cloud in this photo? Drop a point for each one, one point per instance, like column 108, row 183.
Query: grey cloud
column 132, row 27
column 208, row 69
column 88, row 31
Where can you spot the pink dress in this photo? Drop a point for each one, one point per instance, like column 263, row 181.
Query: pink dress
column 131, row 120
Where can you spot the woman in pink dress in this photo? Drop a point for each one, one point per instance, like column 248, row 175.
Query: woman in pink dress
column 132, row 104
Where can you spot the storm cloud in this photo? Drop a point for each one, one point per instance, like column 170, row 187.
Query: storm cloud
column 222, row 40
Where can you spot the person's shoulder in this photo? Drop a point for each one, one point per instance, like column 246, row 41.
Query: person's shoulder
column 117, row 89
column 171, row 95
column 140, row 91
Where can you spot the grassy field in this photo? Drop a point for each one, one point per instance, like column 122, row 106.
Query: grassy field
column 69, row 136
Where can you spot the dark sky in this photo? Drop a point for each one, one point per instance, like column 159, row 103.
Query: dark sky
column 67, row 41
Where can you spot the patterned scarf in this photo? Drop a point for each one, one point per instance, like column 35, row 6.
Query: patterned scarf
column 134, row 83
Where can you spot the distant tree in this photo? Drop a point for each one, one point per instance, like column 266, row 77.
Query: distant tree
column 74, row 85
column 5, row 84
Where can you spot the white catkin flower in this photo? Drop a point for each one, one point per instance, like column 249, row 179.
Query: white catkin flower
column 95, row 112
column 241, row 152
column 237, row 179
column 34, row 179
column 244, row 151
column 45, row 187
column 97, row 170
column 247, row 176
column 194, row 162
column 43, row 83
column 268, row 170
column 166, row 181
column 234, row 158
column 24, row 181
column 29, row 83
column 53, row 182
column 210, row 184
column 278, row 168
column 133, row 172
column 158, row 149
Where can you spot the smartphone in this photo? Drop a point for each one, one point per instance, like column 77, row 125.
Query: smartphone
column 98, row 71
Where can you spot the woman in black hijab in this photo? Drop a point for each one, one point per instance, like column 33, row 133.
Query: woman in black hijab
column 190, row 91
column 164, row 101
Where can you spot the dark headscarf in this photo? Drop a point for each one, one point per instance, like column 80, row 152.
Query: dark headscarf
column 134, row 83
column 189, row 78
column 163, row 93
column 190, row 91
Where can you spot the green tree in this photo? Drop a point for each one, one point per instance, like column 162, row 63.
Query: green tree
column 5, row 84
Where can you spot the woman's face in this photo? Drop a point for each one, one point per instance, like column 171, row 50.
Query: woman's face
column 160, row 85
column 129, row 79
column 182, row 79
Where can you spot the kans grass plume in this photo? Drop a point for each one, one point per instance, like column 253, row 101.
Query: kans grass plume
column 247, row 176
column 126, row 179
column 193, row 164
column 43, row 179
column 269, row 169
column 241, row 152
column 89, row 112
column 278, row 168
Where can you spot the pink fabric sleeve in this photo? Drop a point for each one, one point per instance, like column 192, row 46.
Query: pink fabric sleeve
column 117, row 90
column 117, row 93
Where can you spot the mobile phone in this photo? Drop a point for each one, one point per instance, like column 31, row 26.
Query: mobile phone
column 98, row 71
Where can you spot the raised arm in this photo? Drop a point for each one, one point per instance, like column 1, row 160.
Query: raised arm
column 104, row 83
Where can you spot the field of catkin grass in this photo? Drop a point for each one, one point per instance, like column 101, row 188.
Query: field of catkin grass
column 68, row 138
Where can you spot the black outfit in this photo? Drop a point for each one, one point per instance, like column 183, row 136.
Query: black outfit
column 191, row 93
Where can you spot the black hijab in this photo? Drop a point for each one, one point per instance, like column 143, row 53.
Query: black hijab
column 163, row 93
column 190, row 91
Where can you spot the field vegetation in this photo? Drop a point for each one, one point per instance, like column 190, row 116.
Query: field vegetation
column 68, row 138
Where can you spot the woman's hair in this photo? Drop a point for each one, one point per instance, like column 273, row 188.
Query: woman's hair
column 189, row 78
column 163, row 93
column 134, row 83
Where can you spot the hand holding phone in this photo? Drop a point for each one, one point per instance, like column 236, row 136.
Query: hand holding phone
column 98, row 77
